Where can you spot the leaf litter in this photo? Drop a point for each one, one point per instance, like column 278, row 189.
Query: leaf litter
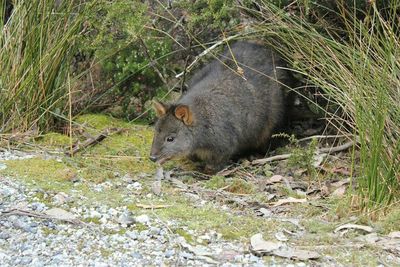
column 287, row 190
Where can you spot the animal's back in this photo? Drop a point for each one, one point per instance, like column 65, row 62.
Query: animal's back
column 237, row 97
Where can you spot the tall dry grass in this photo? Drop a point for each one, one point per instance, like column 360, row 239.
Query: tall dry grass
column 37, row 43
column 358, row 70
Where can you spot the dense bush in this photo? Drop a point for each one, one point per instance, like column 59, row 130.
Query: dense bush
column 141, row 46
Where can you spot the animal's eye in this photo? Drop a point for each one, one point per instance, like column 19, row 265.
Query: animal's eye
column 170, row 139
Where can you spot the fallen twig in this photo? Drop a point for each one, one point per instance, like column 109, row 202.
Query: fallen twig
column 152, row 207
column 196, row 174
column 269, row 159
column 92, row 140
column 20, row 212
column 320, row 150
column 336, row 148
column 321, row 137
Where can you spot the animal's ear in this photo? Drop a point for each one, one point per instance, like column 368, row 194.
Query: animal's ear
column 160, row 108
column 183, row 113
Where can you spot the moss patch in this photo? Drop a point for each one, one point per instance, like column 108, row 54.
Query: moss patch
column 127, row 153
column 47, row 174
column 209, row 217
column 54, row 139
column 215, row 182
column 188, row 237
column 100, row 121
column 390, row 223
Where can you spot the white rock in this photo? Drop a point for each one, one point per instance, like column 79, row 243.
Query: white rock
column 142, row 218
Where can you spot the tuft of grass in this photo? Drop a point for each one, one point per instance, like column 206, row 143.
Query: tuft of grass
column 37, row 44
column 303, row 157
column 215, row 182
column 357, row 69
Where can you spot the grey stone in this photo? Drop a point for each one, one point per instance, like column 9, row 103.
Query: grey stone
column 186, row 255
column 132, row 234
column 136, row 255
column 4, row 236
column 144, row 235
column 7, row 191
column 142, row 219
column 25, row 260
column 169, row 253
column 155, row 230
column 37, row 206
column 126, row 219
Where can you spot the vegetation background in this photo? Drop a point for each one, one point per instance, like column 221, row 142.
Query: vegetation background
column 59, row 59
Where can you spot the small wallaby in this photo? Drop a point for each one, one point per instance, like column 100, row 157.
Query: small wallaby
column 232, row 106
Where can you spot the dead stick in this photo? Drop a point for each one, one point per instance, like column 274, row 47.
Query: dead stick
column 92, row 141
column 321, row 137
column 321, row 150
column 19, row 212
column 274, row 158
column 153, row 62
column 205, row 52
column 336, row 148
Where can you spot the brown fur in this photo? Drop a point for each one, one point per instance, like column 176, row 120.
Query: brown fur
column 224, row 113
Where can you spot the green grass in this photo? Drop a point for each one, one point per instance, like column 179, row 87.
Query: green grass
column 357, row 70
column 37, row 43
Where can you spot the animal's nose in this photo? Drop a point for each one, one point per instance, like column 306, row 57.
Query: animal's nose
column 153, row 158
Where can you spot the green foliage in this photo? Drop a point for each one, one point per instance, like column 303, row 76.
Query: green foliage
column 215, row 182
column 303, row 157
column 128, row 50
column 209, row 14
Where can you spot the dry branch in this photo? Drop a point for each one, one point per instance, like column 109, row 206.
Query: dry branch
column 20, row 212
column 321, row 150
column 93, row 140
column 205, row 52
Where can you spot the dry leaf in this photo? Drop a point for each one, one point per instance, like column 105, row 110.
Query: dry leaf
column 297, row 254
column 275, row 179
column 394, row 234
column 341, row 182
column 354, row 226
column 240, row 71
column 178, row 183
column 159, row 175
column 341, row 170
column 144, row 206
column 289, row 200
column 259, row 245
column 60, row 214
column 339, row 192
column 280, row 236
column 156, row 188
column 299, row 172
column 265, row 212
column 318, row 159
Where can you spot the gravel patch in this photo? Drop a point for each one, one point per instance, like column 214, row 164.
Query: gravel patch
column 99, row 235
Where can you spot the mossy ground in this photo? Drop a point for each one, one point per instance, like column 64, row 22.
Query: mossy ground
column 127, row 153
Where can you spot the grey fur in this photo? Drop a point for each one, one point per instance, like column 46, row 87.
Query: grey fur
column 231, row 114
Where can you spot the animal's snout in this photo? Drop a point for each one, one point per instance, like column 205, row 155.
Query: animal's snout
column 153, row 158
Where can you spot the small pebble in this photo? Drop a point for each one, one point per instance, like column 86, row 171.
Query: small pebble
column 136, row 255
column 142, row 219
